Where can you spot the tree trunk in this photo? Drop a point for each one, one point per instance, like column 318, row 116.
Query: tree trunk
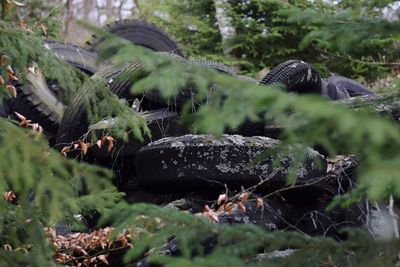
column 136, row 8
column 225, row 25
column 68, row 17
column 87, row 8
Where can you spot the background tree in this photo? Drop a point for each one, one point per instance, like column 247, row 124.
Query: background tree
column 270, row 32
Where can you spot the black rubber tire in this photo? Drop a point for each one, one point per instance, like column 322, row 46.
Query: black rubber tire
column 75, row 123
column 298, row 76
column 251, row 128
column 161, row 122
column 247, row 78
column 40, row 104
column 339, row 87
column 203, row 162
column 138, row 32
column 77, row 57
column 4, row 108
column 211, row 64
column 155, row 100
column 120, row 159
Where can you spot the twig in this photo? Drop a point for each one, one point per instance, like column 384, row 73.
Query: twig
column 292, row 225
column 297, row 186
column 95, row 255
column 360, row 61
column 394, row 217
column 249, row 190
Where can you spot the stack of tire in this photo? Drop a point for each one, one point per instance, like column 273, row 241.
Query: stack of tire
column 175, row 161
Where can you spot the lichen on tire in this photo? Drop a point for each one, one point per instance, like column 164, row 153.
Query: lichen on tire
column 202, row 162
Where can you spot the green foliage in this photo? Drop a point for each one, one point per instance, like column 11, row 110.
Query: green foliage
column 49, row 188
column 348, row 39
column 237, row 245
column 191, row 22
column 63, row 188
column 367, row 41
column 101, row 104
column 24, row 45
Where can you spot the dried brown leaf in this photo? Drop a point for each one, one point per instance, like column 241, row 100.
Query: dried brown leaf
column 13, row 2
column 98, row 143
column 211, row 216
column 32, row 70
column 62, row 257
column 3, row 59
column 244, row 197
column 12, row 90
column 20, row 116
column 103, row 140
column 79, row 249
column 241, row 206
column 65, row 150
column 52, row 233
column 260, row 203
column 36, row 127
column 84, row 147
column 9, row 196
column 221, row 209
column 44, row 28
column 7, row 247
column 103, row 259
column 11, row 77
column 110, row 143
column 229, row 207
column 24, row 122
column 222, row 199
column 10, row 70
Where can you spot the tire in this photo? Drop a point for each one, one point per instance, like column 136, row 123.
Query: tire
column 162, row 123
column 4, row 108
column 203, row 163
column 272, row 216
column 247, row 78
column 176, row 103
column 298, row 76
column 339, row 87
column 214, row 65
column 39, row 103
column 250, row 128
column 77, row 57
column 139, row 33
column 120, row 159
column 74, row 123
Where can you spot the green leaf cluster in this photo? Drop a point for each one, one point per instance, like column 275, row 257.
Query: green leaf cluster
column 349, row 38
